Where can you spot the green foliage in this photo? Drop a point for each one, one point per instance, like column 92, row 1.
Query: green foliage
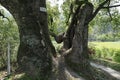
column 102, row 28
column 66, row 9
column 116, row 56
column 57, row 46
column 107, row 50
column 104, row 53
column 54, row 18
column 8, row 34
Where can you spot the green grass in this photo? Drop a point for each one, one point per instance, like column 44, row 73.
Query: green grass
column 106, row 50
column 114, row 45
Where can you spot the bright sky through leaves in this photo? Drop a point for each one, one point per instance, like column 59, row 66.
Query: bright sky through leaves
column 54, row 2
column 60, row 2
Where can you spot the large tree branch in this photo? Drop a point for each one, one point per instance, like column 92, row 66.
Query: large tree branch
column 99, row 8
column 111, row 6
column 4, row 16
column 11, row 5
column 65, row 53
column 109, row 10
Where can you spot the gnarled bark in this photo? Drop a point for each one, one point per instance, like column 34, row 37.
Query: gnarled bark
column 79, row 54
column 34, row 55
column 75, row 41
column 35, row 50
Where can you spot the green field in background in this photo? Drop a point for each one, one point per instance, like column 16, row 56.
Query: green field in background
column 113, row 45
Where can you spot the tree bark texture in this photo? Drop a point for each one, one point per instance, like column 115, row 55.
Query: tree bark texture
column 34, row 55
column 35, row 50
column 76, row 41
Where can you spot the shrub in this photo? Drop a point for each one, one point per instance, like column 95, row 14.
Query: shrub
column 102, row 53
column 106, row 50
column 116, row 56
column 107, row 53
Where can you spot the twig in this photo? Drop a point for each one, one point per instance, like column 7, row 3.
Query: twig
column 112, row 6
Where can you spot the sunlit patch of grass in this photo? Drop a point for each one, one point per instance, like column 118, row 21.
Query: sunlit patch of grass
column 106, row 50
column 114, row 45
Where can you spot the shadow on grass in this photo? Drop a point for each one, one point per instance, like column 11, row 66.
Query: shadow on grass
column 108, row 63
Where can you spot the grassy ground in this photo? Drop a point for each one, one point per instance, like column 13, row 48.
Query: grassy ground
column 115, row 45
column 108, row 63
column 111, row 48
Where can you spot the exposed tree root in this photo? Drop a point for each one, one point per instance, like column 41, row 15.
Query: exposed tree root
column 64, row 72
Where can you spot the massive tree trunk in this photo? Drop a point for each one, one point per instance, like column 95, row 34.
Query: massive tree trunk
column 34, row 53
column 35, row 50
column 75, row 42
column 79, row 54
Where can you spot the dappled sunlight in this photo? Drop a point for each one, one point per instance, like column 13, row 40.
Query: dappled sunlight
column 2, row 75
column 18, row 76
column 9, row 42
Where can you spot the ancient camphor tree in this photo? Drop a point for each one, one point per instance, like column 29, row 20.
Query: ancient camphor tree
column 36, row 55
column 75, row 39
column 35, row 45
